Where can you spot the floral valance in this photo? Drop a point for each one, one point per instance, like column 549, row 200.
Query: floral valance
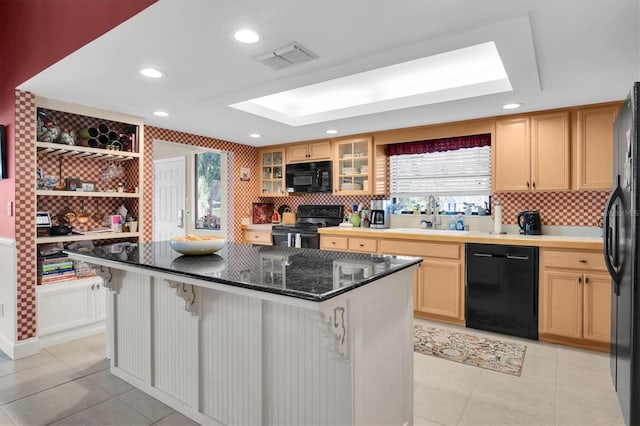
column 439, row 145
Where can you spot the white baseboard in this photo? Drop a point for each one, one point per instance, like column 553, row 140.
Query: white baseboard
column 73, row 334
column 21, row 349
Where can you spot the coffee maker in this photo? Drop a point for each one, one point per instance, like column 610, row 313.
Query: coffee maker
column 380, row 213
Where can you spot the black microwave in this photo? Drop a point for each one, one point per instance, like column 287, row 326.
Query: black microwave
column 309, row 177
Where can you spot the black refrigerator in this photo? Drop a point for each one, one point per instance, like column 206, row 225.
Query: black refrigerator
column 621, row 257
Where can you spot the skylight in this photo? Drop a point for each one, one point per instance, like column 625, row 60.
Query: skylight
column 458, row 74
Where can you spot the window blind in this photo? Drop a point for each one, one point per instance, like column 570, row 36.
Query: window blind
column 464, row 171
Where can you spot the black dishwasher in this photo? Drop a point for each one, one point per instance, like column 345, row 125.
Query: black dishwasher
column 501, row 289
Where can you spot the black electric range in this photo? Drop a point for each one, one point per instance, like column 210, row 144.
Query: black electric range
column 305, row 231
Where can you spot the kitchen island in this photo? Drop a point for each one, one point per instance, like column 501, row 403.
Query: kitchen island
column 262, row 335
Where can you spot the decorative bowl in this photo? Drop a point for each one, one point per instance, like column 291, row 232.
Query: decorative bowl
column 197, row 245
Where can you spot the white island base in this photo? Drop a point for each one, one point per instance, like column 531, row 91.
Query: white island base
column 239, row 356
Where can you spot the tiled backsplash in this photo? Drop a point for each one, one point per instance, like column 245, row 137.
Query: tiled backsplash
column 556, row 208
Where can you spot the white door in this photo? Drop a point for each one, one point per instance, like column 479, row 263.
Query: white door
column 169, row 183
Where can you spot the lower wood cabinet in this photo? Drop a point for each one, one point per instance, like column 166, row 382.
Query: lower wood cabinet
column 69, row 310
column 439, row 284
column 575, row 299
column 353, row 244
column 253, row 236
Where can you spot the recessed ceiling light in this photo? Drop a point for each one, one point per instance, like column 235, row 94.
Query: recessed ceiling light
column 511, row 106
column 151, row 72
column 458, row 74
column 255, row 135
column 332, row 132
column 246, row 36
column 160, row 113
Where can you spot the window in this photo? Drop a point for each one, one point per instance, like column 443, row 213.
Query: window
column 208, row 191
column 456, row 171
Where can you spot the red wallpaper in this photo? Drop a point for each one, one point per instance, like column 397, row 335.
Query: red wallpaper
column 35, row 34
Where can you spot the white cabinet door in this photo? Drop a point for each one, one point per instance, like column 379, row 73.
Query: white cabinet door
column 64, row 306
column 70, row 304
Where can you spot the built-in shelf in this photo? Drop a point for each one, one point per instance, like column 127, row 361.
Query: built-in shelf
column 87, row 237
column 78, row 151
column 114, row 194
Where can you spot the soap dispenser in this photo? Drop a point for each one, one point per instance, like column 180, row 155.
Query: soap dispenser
column 452, row 224
column 460, row 224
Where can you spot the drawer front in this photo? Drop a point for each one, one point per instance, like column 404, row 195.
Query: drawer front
column 329, row 242
column 584, row 260
column 257, row 237
column 422, row 249
column 363, row 244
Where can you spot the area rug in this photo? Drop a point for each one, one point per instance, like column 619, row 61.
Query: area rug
column 484, row 352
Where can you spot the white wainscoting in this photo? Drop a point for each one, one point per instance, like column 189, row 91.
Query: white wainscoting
column 247, row 357
column 8, row 285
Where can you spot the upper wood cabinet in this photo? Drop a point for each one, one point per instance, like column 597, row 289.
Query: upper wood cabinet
column 298, row 153
column 512, row 165
column 353, row 166
column 271, row 172
column 532, row 153
column 593, row 147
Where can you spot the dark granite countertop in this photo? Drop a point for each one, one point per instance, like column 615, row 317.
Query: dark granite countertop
column 308, row 274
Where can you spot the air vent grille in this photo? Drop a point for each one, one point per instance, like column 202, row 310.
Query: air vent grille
column 286, row 56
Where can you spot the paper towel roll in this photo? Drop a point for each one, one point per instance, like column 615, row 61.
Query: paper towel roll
column 497, row 219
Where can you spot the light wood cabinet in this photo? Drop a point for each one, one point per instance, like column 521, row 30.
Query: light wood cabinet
column 271, row 173
column 344, row 243
column 439, row 285
column 302, row 152
column 353, row 166
column 260, row 237
column 575, row 299
column 593, row 148
column 532, row 153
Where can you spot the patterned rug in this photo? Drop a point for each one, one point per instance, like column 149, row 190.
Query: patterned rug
column 484, row 352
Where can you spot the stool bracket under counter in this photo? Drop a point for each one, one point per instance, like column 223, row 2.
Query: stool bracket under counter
column 296, row 333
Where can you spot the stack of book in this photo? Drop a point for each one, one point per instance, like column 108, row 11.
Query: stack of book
column 55, row 267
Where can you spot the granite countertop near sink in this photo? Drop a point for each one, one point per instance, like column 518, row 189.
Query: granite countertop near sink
column 441, row 235
column 309, row 274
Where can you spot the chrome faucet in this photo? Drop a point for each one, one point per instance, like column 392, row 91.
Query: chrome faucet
column 432, row 205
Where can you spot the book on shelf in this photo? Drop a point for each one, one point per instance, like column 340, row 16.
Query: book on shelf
column 55, row 266
column 48, row 279
column 57, row 272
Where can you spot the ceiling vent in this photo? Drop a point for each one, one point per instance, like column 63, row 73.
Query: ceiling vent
column 291, row 54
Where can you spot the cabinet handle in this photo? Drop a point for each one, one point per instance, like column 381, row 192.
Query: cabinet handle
column 582, row 261
column 333, row 242
column 93, row 286
column 586, row 280
column 528, row 186
column 579, row 280
column 97, row 286
column 534, row 185
column 361, row 245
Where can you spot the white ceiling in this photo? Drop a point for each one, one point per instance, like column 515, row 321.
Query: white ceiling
column 556, row 52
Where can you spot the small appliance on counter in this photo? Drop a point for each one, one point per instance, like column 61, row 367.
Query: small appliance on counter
column 530, row 223
column 380, row 214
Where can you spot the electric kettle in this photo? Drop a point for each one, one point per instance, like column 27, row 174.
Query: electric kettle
column 530, row 223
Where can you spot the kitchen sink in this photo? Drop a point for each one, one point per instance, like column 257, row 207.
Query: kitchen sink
column 425, row 231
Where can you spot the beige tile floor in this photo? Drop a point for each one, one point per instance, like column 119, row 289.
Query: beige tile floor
column 70, row 384
column 559, row 385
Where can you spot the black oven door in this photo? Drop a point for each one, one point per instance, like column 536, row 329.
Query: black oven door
column 296, row 239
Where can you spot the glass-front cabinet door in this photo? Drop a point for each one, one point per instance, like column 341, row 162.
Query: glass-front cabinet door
column 353, row 166
column 271, row 173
